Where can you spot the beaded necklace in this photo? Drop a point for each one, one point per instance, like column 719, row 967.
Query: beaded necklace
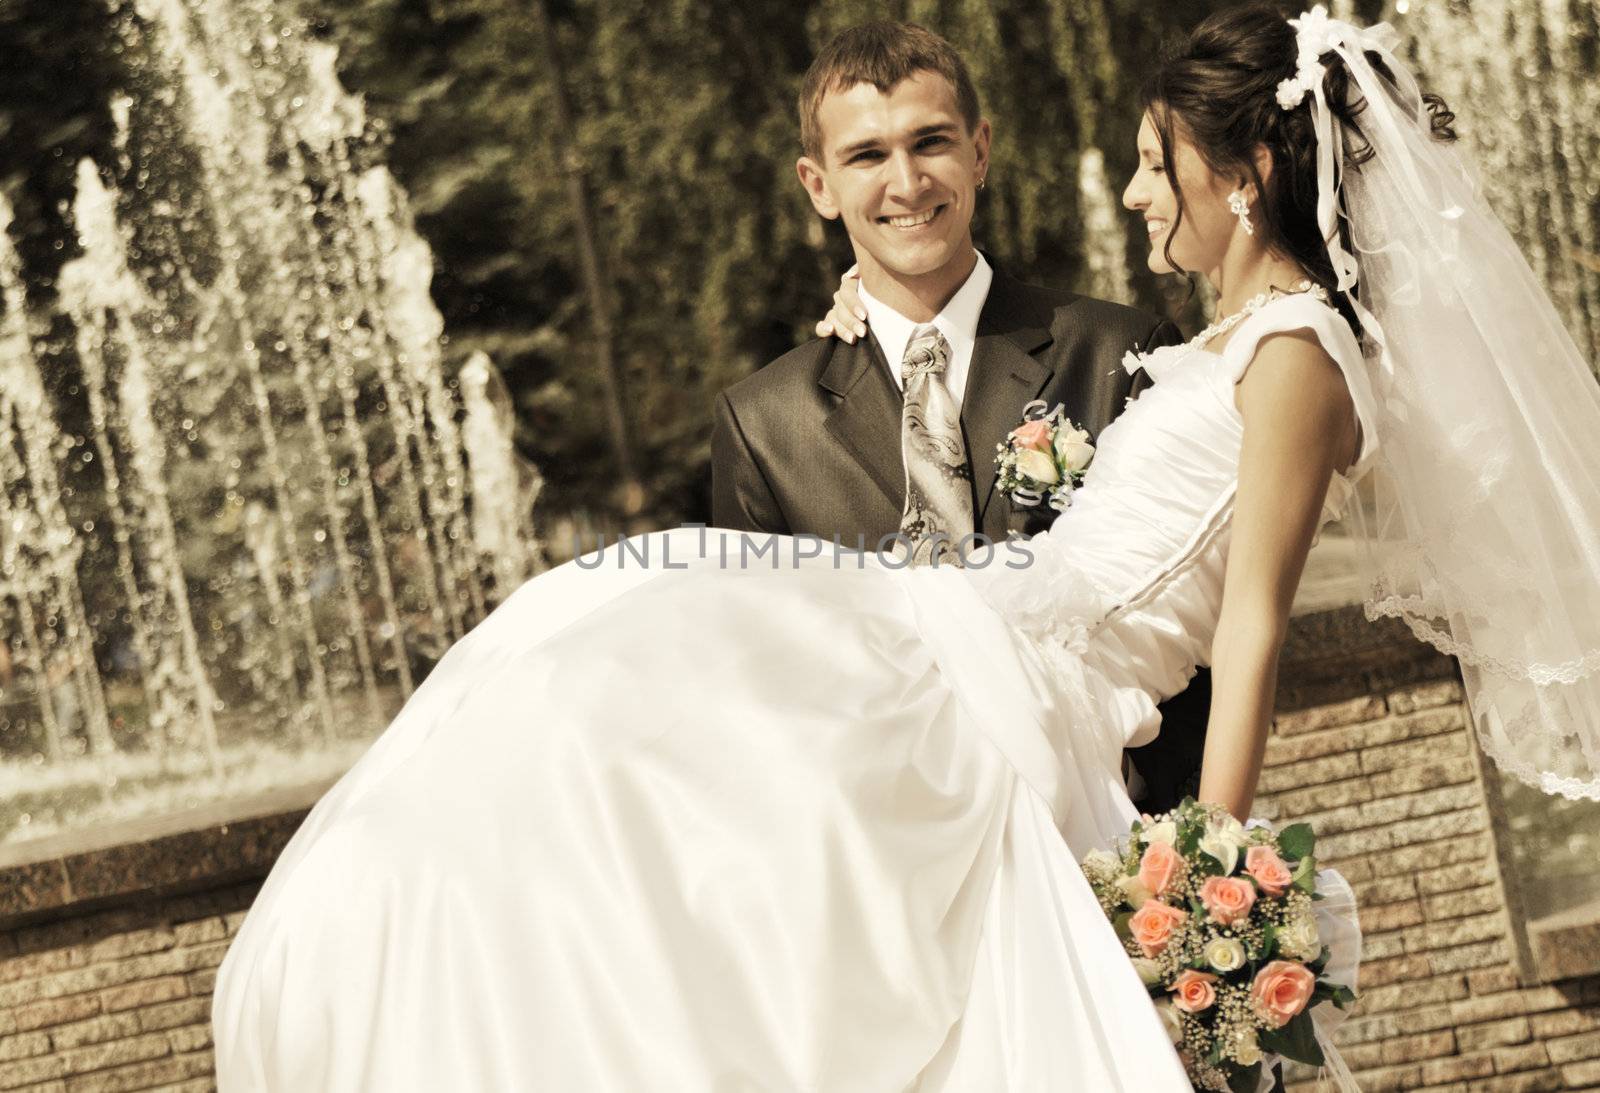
column 1253, row 305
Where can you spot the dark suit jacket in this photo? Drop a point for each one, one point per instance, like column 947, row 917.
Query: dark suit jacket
column 810, row 444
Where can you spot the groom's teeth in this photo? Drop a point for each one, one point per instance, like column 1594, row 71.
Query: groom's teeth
column 913, row 220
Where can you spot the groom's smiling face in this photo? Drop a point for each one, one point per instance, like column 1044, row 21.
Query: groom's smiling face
column 901, row 169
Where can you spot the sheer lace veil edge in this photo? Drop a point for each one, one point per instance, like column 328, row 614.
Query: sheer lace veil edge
column 1479, row 514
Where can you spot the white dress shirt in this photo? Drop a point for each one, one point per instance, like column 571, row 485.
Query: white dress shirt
column 958, row 322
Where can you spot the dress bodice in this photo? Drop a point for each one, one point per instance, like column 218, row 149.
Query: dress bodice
column 1130, row 575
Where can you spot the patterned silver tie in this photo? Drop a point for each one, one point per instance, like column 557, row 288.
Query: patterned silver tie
column 938, row 509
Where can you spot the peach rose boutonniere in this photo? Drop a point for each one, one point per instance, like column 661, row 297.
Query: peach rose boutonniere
column 1042, row 460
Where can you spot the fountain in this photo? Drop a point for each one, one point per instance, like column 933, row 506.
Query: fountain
column 1525, row 76
column 234, row 540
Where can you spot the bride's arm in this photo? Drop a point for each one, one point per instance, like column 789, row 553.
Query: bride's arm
column 1299, row 426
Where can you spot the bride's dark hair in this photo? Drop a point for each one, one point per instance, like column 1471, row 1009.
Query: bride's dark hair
column 1218, row 86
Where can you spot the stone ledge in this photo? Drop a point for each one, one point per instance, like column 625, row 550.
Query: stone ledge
column 238, row 840
column 1338, row 655
column 1566, row 946
column 199, row 848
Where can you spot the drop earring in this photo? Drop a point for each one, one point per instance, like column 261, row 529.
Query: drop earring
column 1241, row 208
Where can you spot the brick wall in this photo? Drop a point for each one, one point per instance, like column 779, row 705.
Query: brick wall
column 1377, row 754
column 108, row 951
column 118, row 999
column 110, row 941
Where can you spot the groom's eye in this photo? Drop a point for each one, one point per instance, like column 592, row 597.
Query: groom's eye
column 932, row 142
column 861, row 157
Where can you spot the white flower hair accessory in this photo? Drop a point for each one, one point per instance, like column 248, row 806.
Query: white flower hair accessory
column 1316, row 34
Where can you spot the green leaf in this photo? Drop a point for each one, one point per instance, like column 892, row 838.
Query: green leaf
column 1120, row 924
column 1297, row 841
column 1305, row 876
column 1246, row 1080
column 1269, row 940
column 1340, row 995
column 1296, row 1041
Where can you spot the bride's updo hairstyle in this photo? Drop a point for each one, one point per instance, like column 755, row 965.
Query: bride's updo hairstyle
column 1218, row 88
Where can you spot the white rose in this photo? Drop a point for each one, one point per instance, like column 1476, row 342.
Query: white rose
column 1164, row 832
column 1170, row 1021
column 1034, row 464
column 1149, row 970
column 1223, row 840
column 1246, row 1051
column 1102, row 860
column 1222, row 849
column 1225, row 954
column 1133, row 891
column 1074, row 449
column 1231, row 829
column 1300, row 939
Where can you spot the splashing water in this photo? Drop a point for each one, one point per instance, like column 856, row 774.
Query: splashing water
column 229, row 549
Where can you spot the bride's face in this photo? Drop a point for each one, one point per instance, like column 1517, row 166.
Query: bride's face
column 1207, row 225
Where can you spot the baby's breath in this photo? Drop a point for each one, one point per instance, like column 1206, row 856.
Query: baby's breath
column 1229, row 1027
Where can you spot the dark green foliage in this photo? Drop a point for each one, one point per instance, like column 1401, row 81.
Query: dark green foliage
column 684, row 130
column 1296, row 1041
column 1246, row 1080
column 1297, row 841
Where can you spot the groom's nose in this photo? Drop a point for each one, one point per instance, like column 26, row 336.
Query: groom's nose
column 907, row 179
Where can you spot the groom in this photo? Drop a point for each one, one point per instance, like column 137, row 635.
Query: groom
column 812, row 443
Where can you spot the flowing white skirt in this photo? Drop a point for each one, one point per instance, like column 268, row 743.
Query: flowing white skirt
column 706, row 829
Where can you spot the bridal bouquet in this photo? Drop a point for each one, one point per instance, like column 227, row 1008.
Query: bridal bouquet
column 1218, row 921
column 1043, row 459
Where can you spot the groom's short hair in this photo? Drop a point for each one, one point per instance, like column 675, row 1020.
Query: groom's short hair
column 881, row 54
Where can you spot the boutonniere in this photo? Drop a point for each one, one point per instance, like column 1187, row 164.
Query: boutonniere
column 1043, row 459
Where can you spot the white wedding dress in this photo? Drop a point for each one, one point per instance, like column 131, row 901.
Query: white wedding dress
column 811, row 827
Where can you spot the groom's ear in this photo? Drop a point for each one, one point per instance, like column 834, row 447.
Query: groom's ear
column 816, row 184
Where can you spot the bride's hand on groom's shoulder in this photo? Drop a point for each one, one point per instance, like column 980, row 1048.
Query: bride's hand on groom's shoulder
column 847, row 318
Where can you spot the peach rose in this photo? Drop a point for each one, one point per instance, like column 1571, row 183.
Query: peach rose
column 1152, row 925
column 1227, row 899
column 1194, row 991
column 1282, row 990
column 1263, row 863
column 1158, row 867
column 1033, row 434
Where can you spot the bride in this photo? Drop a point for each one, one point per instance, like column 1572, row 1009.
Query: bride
column 686, row 824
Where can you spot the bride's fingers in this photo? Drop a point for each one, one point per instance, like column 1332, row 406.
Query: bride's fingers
column 848, row 299
column 848, row 314
column 844, row 325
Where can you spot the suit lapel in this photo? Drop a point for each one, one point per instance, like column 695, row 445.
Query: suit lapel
column 1005, row 375
column 866, row 422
